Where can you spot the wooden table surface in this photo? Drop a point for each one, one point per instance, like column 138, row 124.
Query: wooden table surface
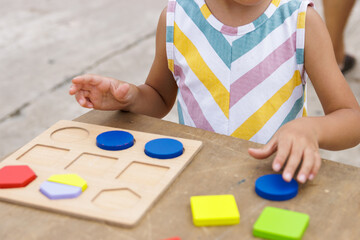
column 221, row 167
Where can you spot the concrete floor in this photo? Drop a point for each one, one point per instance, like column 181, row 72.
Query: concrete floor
column 44, row 43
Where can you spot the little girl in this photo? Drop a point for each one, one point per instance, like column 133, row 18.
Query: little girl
column 240, row 67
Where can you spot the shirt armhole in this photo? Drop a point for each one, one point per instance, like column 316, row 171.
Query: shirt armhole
column 170, row 18
column 300, row 38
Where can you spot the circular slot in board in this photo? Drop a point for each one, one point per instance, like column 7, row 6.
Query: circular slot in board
column 274, row 187
column 164, row 148
column 115, row 140
column 70, row 134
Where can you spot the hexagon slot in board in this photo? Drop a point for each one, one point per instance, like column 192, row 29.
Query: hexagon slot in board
column 16, row 176
column 113, row 199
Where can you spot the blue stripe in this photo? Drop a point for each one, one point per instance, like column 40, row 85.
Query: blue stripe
column 215, row 38
column 180, row 113
column 252, row 39
column 170, row 34
column 300, row 56
column 298, row 106
column 260, row 20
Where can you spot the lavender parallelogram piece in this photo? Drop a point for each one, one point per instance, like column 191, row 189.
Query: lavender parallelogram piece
column 55, row 190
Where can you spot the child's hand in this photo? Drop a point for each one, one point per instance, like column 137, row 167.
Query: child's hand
column 294, row 142
column 93, row 91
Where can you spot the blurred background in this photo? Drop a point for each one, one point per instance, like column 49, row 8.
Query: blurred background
column 45, row 43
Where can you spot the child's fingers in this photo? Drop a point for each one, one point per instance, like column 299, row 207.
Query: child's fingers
column 81, row 98
column 307, row 165
column 293, row 154
column 265, row 151
column 74, row 89
column 283, row 151
column 91, row 79
column 316, row 166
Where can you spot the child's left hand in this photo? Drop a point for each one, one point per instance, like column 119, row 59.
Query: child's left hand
column 295, row 142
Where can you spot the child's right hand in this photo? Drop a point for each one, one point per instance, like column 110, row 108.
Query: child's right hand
column 103, row 93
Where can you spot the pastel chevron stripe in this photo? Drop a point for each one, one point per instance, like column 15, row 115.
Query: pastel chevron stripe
column 253, row 124
column 205, row 11
column 244, row 81
column 264, row 69
column 301, row 20
column 275, row 2
column 201, row 70
column 192, row 106
column 298, row 106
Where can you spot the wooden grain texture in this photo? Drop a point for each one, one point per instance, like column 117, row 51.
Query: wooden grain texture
column 122, row 185
column 221, row 167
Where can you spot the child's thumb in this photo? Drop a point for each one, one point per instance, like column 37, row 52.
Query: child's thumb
column 263, row 152
column 120, row 91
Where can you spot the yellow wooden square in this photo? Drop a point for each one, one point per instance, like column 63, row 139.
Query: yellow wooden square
column 214, row 210
column 69, row 179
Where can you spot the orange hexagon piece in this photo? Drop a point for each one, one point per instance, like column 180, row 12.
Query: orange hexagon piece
column 16, row 176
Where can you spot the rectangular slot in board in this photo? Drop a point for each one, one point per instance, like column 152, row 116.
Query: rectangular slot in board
column 43, row 155
column 92, row 164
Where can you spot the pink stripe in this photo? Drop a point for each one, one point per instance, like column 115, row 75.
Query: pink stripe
column 192, row 105
column 263, row 70
column 171, row 6
column 229, row 30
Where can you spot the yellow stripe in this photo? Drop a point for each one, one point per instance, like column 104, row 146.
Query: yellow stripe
column 197, row 64
column 205, row 11
column 304, row 112
column 301, row 20
column 171, row 65
column 256, row 121
column 275, row 2
column 304, row 108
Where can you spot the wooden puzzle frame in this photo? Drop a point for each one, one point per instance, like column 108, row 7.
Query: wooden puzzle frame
column 122, row 185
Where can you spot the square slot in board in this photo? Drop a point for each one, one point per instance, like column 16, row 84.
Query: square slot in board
column 122, row 185
column 91, row 164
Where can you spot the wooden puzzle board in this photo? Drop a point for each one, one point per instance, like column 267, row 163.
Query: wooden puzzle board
column 122, row 185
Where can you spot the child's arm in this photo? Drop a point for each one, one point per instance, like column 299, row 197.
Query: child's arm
column 154, row 98
column 299, row 140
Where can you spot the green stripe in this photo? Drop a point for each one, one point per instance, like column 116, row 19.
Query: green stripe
column 215, row 37
column 260, row 20
column 170, row 34
column 180, row 114
column 300, row 56
column 298, row 106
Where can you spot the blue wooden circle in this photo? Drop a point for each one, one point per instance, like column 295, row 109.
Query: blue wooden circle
column 274, row 187
column 164, row 148
column 115, row 140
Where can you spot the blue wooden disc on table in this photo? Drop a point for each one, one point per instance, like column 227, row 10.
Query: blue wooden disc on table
column 115, row 140
column 274, row 187
column 164, row 148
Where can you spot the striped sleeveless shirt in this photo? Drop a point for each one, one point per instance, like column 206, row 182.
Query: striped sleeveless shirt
column 243, row 81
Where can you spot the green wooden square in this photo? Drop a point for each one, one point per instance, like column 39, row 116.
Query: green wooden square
column 280, row 224
column 214, row 210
